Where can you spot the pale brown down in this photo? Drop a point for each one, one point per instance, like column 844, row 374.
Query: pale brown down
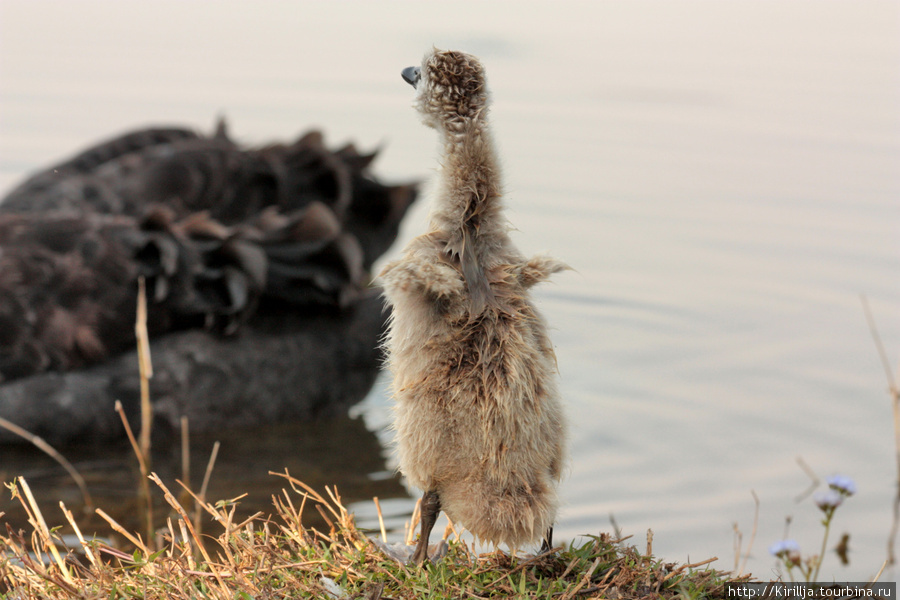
column 478, row 415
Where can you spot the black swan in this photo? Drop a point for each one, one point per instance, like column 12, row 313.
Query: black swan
column 256, row 263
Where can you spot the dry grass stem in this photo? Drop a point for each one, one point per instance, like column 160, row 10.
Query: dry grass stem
column 50, row 451
column 380, row 519
column 144, row 497
column 450, row 528
column 682, row 568
column 185, row 456
column 36, row 518
column 135, row 540
column 738, row 538
column 145, row 368
column 84, row 545
column 145, row 364
column 895, row 406
column 414, row 522
column 307, row 491
column 205, row 485
column 617, row 531
column 584, row 580
column 186, row 522
column 879, row 345
column 814, row 480
column 880, row 571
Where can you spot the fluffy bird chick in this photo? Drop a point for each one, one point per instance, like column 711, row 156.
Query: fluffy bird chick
column 479, row 423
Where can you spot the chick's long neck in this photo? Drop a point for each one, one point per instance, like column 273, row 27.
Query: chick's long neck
column 469, row 191
column 468, row 210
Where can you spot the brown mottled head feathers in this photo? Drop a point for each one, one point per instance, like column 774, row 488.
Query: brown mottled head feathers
column 457, row 80
column 452, row 90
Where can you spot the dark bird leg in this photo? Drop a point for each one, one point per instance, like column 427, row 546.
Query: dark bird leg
column 431, row 506
column 548, row 541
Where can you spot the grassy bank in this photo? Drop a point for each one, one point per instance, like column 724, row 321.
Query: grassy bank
column 205, row 551
column 277, row 556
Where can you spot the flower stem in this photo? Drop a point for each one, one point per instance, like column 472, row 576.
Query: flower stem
column 827, row 524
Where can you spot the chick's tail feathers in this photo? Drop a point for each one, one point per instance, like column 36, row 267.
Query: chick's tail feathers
column 513, row 515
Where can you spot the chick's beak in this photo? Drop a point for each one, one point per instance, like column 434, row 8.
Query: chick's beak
column 411, row 75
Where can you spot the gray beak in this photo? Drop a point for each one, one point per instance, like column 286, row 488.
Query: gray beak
column 411, row 75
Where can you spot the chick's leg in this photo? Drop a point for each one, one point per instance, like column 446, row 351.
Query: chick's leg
column 431, row 506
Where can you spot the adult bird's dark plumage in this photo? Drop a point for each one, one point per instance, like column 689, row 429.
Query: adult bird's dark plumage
column 228, row 239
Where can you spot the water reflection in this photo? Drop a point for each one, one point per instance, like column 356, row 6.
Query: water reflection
column 318, row 453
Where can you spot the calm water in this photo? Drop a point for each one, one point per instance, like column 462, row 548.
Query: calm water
column 724, row 178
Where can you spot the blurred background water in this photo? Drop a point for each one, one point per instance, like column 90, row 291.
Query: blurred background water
column 723, row 176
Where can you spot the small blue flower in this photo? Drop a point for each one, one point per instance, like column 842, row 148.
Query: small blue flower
column 828, row 500
column 784, row 548
column 842, row 485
